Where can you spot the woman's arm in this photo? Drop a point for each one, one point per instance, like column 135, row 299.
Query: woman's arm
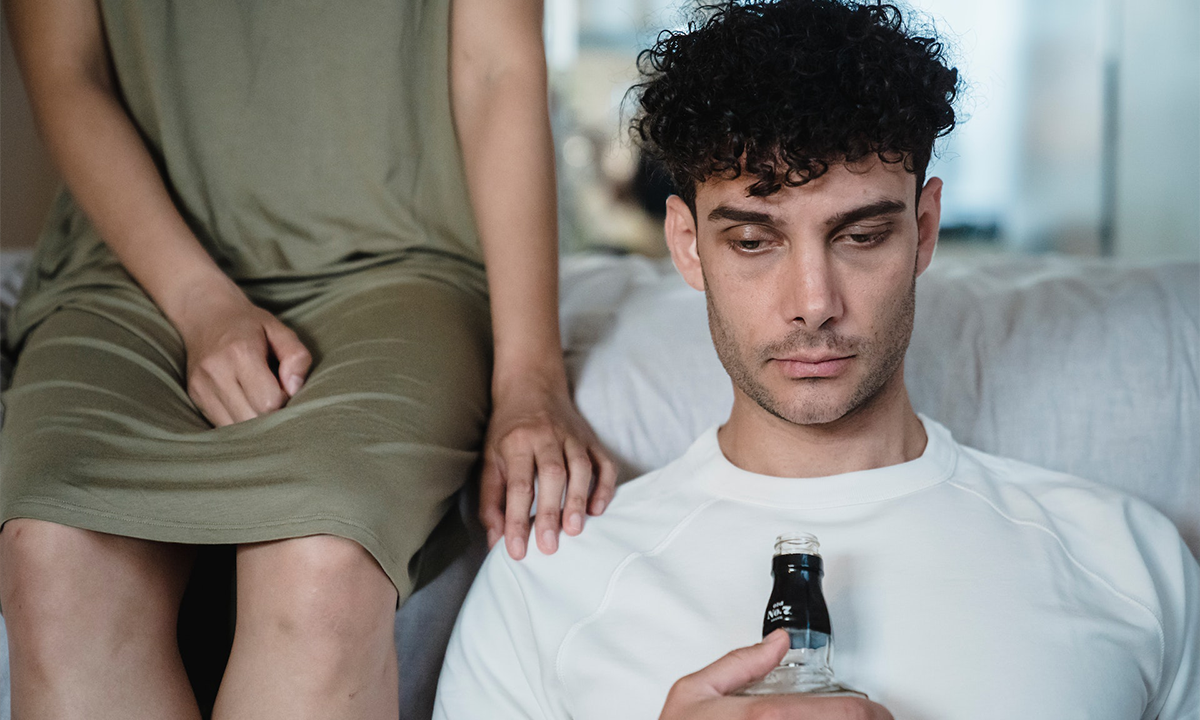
column 498, row 88
column 60, row 48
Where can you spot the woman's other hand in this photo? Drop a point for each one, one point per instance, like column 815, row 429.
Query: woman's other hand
column 536, row 434
column 61, row 51
column 501, row 114
column 230, row 343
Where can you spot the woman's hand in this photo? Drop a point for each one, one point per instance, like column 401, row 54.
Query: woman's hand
column 502, row 118
column 535, row 431
column 230, row 343
column 63, row 57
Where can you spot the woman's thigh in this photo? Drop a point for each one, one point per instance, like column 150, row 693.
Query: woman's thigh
column 101, row 434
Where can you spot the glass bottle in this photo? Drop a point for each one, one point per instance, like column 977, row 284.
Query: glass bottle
column 798, row 606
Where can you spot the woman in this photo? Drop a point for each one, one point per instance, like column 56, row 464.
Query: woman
column 261, row 317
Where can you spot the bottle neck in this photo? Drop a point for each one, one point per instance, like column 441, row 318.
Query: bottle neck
column 797, row 603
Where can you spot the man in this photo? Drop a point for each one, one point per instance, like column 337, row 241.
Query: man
column 960, row 585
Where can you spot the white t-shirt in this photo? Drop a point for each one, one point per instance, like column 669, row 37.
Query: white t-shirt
column 960, row 585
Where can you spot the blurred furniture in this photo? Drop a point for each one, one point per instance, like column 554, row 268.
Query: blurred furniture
column 1089, row 367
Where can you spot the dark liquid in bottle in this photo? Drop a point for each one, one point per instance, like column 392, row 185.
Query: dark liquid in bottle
column 798, row 606
column 796, row 603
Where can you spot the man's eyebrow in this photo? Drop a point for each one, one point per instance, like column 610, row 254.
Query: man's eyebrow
column 865, row 212
column 724, row 212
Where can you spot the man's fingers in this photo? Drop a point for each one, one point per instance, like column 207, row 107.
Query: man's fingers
column 294, row 358
column 579, row 483
column 606, row 480
column 518, row 498
column 551, row 481
column 491, row 499
column 739, row 668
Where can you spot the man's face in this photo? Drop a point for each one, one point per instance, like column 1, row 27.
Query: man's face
column 811, row 290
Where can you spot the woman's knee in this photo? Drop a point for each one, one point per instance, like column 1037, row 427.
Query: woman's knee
column 53, row 575
column 60, row 584
column 324, row 588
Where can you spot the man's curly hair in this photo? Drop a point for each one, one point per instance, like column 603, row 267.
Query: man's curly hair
column 780, row 89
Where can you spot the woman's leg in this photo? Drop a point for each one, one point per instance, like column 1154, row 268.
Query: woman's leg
column 91, row 623
column 314, row 634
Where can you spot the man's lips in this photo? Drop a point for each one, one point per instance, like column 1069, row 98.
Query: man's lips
column 813, row 366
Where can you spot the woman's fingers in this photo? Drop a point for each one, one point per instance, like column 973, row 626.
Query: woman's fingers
column 538, row 441
column 579, row 484
column 219, row 374
column 518, row 499
column 491, row 498
column 242, row 380
column 606, row 480
column 254, row 377
column 261, row 390
column 551, row 481
column 203, row 393
column 229, row 371
column 233, row 397
column 294, row 359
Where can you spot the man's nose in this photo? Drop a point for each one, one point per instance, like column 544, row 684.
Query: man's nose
column 812, row 298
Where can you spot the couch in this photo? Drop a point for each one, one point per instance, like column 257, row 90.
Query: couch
column 1086, row 366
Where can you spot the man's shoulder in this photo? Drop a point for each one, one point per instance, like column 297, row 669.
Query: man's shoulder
column 1116, row 539
column 519, row 613
column 1029, row 489
column 1117, row 545
column 641, row 512
column 642, row 515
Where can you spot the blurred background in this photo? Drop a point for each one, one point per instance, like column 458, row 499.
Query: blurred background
column 1082, row 131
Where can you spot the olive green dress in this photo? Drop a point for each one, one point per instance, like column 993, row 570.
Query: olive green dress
column 309, row 145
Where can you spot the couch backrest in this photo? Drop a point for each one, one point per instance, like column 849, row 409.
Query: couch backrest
column 1085, row 366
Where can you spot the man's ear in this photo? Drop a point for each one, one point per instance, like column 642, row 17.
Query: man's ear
column 680, row 229
column 929, row 219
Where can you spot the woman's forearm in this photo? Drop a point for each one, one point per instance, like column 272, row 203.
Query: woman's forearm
column 114, row 181
column 100, row 154
column 503, row 125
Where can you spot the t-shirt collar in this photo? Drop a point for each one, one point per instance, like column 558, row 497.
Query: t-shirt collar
column 721, row 477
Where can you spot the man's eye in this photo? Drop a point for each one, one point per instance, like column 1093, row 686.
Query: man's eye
column 867, row 239
column 749, row 245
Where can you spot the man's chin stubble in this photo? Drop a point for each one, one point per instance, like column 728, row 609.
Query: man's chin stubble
column 810, row 412
column 806, row 412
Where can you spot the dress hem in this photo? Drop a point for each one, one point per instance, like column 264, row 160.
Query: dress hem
column 155, row 530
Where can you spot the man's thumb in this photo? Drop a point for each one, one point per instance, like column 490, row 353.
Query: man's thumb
column 745, row 665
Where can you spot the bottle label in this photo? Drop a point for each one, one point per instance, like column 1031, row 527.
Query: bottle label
column 803, row 637
column 779, row 613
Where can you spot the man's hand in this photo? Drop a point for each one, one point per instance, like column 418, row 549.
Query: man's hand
column 229, row 343
column 708, row 693
column 535, row 431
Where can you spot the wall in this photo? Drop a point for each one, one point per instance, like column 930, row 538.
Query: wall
column 1158, row 130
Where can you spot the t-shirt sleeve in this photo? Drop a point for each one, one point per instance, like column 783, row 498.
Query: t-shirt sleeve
column 492, row 668
column 1177, row 576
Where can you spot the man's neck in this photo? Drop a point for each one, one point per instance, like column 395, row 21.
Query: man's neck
column 883, row 432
